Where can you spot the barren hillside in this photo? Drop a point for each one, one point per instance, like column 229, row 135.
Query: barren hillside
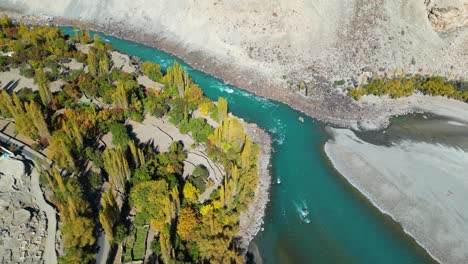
column 270, row 46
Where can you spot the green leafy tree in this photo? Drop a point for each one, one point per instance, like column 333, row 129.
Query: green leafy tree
column 116, row 165
column 152, row 70
column 119, row 135
column 43, row 85
column 222, row 109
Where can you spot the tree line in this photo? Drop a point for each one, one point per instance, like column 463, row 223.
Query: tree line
column 406, row 85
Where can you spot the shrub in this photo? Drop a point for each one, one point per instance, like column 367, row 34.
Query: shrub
column 356, row 93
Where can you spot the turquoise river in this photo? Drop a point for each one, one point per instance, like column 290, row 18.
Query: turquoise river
column 344, row 227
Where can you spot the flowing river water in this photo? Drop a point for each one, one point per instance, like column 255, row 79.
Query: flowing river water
column 344, row 227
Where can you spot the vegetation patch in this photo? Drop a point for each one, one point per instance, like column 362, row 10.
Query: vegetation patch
column 127, row 187
column 407, row 85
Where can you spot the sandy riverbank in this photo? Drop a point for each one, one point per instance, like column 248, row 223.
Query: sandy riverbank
column 422, row 186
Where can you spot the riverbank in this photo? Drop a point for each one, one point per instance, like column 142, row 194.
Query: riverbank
column 326, row 104
column 251, row 220
column 410, row 181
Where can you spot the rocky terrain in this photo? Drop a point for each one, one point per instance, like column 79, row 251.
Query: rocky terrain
column 23, row 224
column 291, row 51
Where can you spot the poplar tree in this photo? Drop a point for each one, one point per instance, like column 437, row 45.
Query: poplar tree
column 37, row 118
column 92, row 63
column 5, row 104
column 166, row 246
column 108, row 214
column 43, row 86
column 60, row 150
column 104, row 64
column 120, row 96
column 116, row 165
column 246, row 153
column 222, row 109
column 229, row 134
column 137, row 154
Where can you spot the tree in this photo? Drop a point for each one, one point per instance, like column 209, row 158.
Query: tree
column 191, row 193
column 92, row 63
column 137, row 154
column 186, row 223
column 43, row 86
column 120, row 96
column 166, row 246
column 60, row 150
column 229, row 135
column 177, row 78
column 152, row 70
column 194, row 96
column 116, row 165
column 246, row 153
column 98, row 43
column 206, row 106
column 23, row 125
column 78, row 232
column 37, row 119
column 222, row 109
column 104, row 63
column 119, row 135
column 109, row 213
column 150, row 199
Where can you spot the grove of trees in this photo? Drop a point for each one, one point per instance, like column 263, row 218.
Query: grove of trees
column 128, row 186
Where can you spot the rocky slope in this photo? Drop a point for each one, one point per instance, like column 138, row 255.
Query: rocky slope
column 268, row 47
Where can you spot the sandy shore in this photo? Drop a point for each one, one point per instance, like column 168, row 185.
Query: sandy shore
column 422, row 186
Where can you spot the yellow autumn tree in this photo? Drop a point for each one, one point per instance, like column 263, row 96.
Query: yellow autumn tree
column 35, row 113
column 109, row 213
column 137, row 154
column 222, row 109
column 120, row 96
column 43, row 85
column 186, row 223
column 191, row 193
column 116, row 165
column 60, row 150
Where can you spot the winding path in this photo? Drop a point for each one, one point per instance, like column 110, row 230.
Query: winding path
column 50, row 255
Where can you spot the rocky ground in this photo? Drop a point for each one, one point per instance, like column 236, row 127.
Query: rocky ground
column 23, row 225
column 286, row 49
